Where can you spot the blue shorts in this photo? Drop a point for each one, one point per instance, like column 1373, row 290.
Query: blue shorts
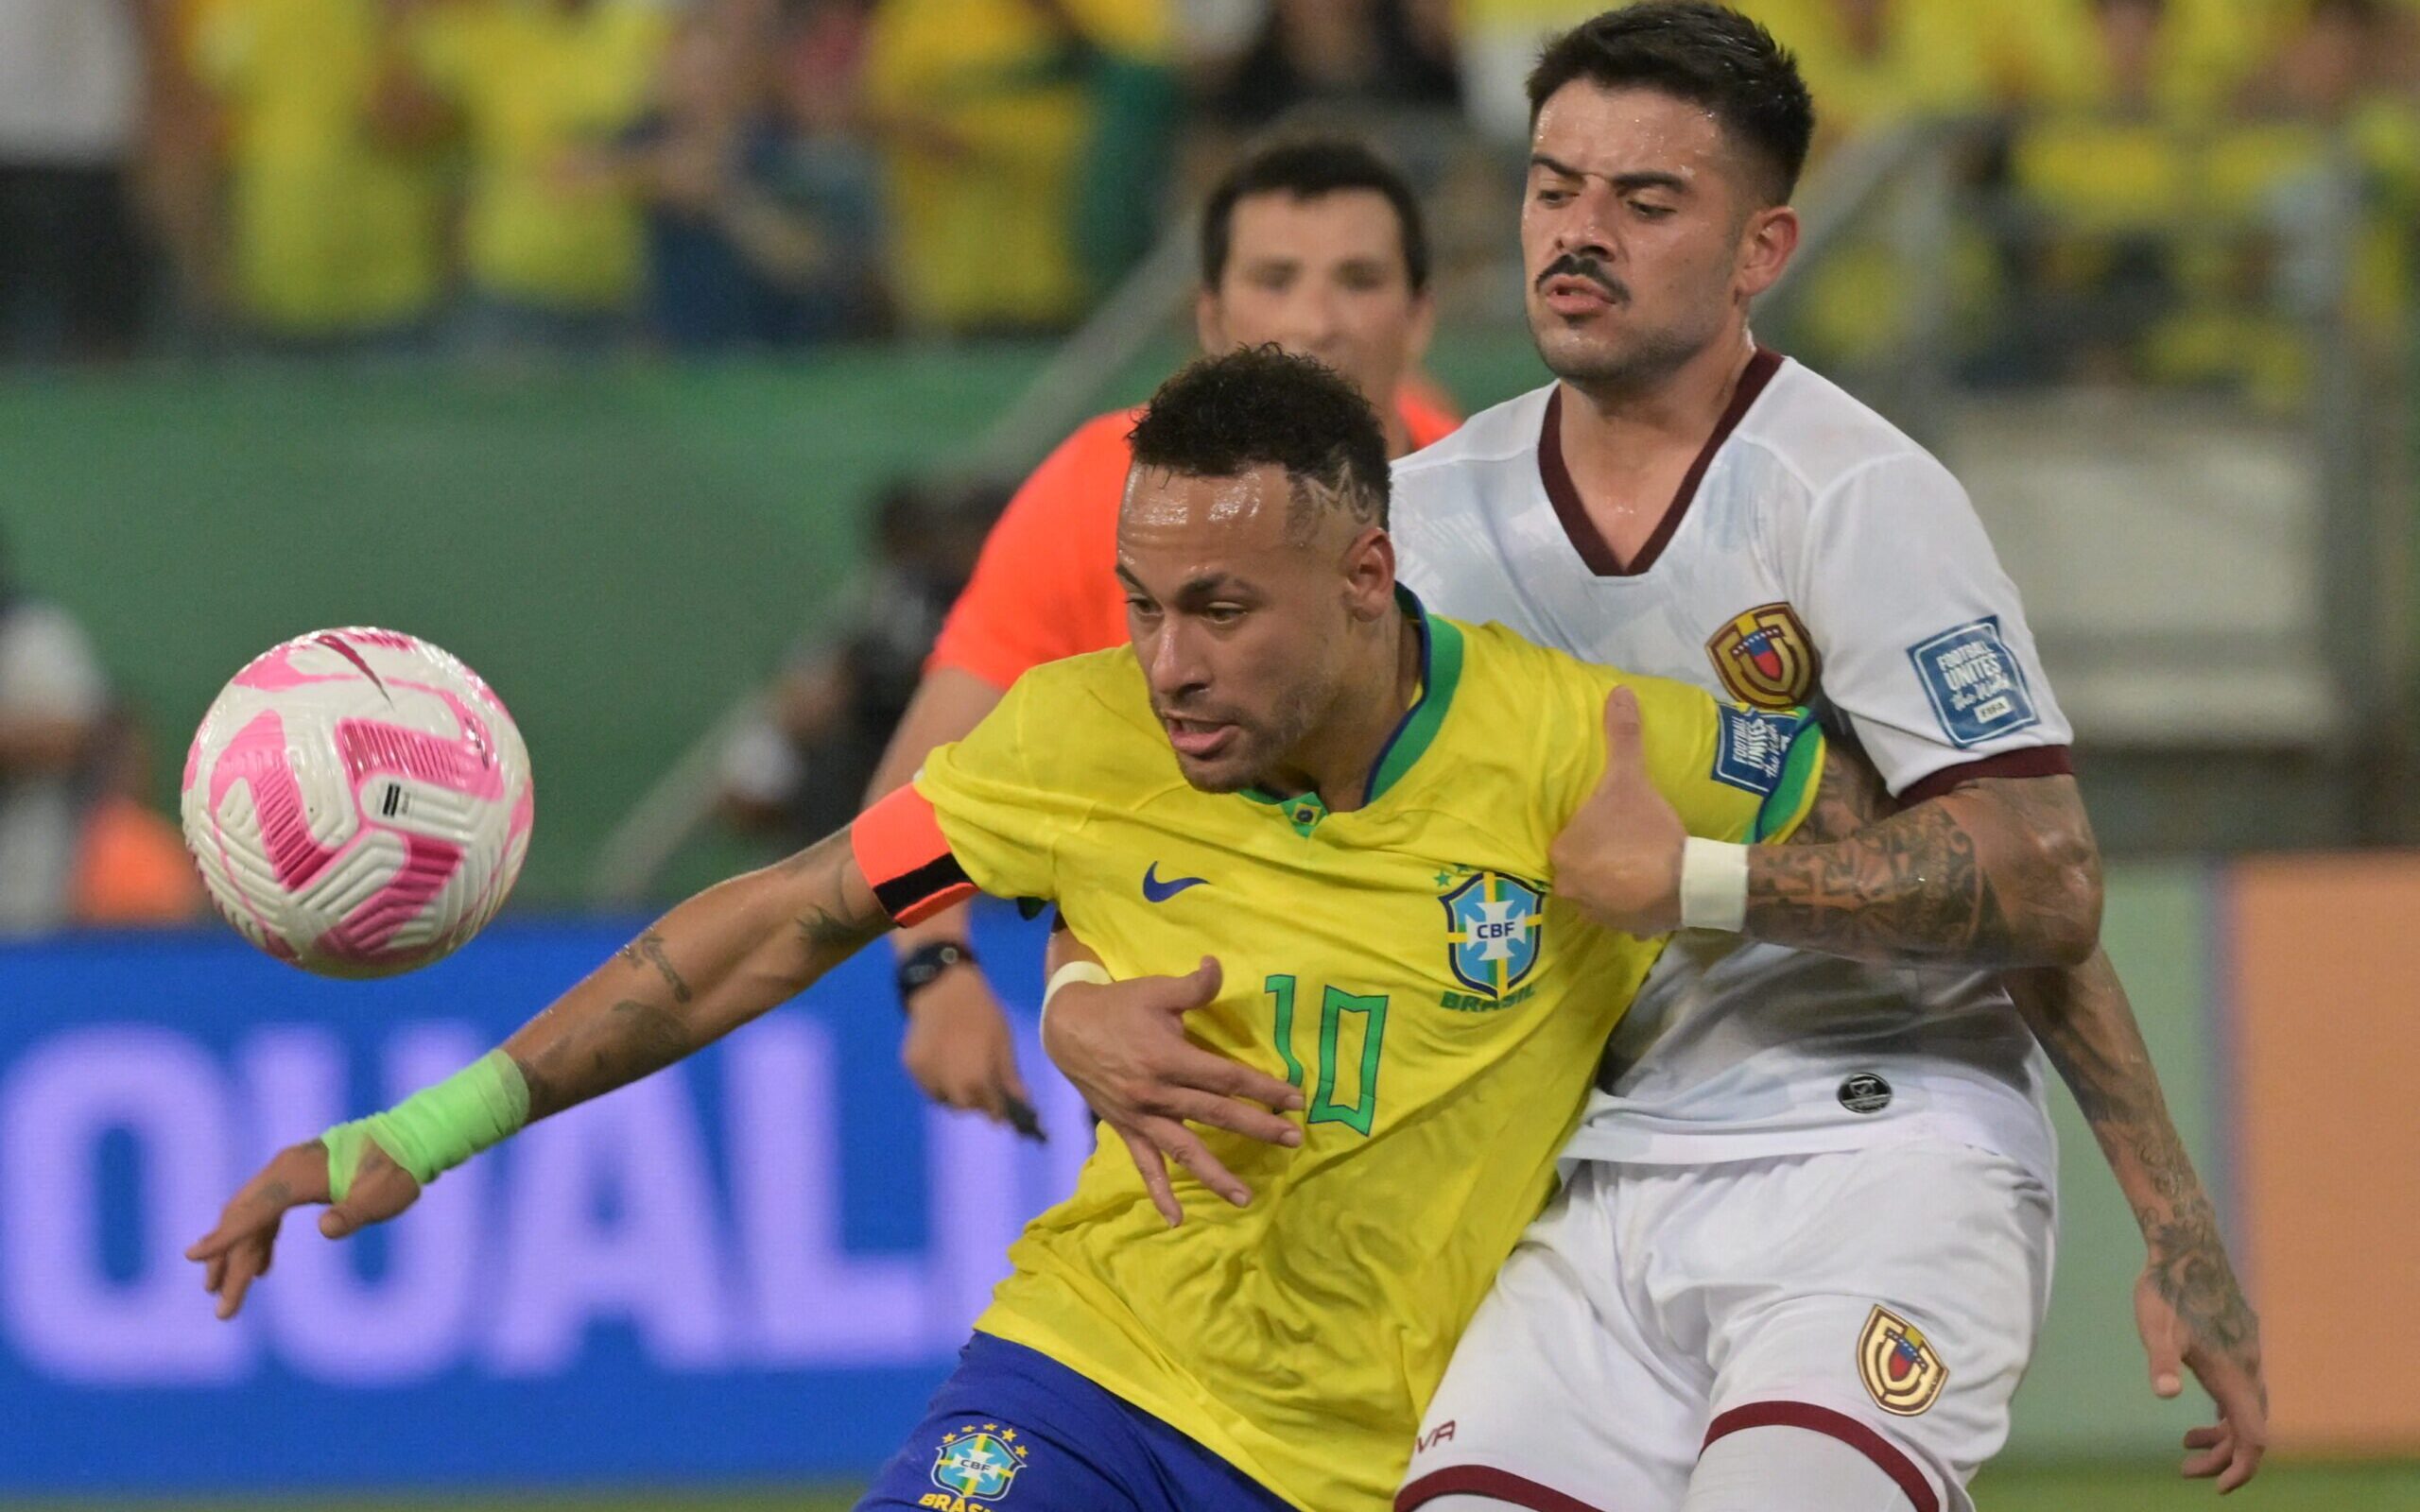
column 1011, row 1420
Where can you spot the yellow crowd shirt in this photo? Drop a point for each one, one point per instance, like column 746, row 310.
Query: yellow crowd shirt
column 329, row 229
column 538, row 89
column 987, row 108
column 1405, row 964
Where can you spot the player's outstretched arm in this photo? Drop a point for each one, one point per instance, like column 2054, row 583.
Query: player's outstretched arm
column 733, row 952
column 2188, row 1305
column 725, row 956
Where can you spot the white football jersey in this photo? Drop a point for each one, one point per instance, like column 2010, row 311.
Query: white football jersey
column 1816, row 556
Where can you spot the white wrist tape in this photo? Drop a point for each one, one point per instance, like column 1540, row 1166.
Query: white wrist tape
column 1074, row 972
column 1714, row 884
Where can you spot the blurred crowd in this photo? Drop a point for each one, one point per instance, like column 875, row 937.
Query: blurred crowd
column 80, row 844
column 702, row 174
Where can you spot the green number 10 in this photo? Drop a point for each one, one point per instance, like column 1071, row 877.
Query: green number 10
column 1335, row 1004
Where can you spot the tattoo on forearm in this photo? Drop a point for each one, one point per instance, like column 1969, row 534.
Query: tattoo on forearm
column 649, row 950
column 1920, row 882
column 2086, row 1027
column 2188, row 1266
column 1911, row 885
column 832, row 930
column 629, row 1040
column 1848, row 796
column 582, row 1047
column 546, row 1097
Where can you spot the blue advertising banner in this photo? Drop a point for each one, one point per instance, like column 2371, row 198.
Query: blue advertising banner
column 755, row 1266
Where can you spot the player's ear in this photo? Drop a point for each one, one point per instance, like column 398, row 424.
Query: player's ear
column 1209, row 328
column 1370, row 574
column 1766, row 244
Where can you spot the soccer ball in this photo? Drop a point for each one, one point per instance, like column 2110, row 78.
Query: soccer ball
column 359, row 802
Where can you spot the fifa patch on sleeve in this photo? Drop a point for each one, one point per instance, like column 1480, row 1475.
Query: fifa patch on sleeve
column 1751, row 747
column 1978, row 690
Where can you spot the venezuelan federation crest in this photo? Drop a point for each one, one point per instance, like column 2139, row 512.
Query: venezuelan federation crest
column 1492, row 924
column 1765, row 658
column 1900, row 1370
column 977, row 1464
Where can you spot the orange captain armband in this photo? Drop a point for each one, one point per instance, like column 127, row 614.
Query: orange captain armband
column 899, row 846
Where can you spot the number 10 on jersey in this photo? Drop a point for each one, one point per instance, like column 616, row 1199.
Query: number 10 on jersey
column 1345, row 1017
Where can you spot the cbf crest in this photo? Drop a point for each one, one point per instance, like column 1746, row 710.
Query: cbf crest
column 1899, row 1365
column 1493, row 926
column 976, row 1466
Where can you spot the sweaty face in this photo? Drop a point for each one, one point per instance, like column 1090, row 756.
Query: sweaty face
column 1630, row 233
column 1324, row 278
column 1241, row 630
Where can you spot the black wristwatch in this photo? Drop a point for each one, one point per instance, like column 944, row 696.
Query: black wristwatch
column 920, row 967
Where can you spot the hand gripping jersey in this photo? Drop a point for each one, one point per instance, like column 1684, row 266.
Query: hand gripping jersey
column 1815, row 555
column 1405, row 964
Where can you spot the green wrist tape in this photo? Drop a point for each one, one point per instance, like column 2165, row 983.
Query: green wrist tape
column 437, row 1128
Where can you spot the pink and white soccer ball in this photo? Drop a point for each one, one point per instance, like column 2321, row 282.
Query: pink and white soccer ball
column 358, row 802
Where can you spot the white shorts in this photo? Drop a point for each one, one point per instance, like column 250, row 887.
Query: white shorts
column 1885, row 1298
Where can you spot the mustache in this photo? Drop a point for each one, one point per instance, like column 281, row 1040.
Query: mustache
column 1587, row 265
column 1193, row 715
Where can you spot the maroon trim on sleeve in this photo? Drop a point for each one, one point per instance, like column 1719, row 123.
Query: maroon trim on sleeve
column 1482, row 1480
column 2033, row 761
column 1564, row 494
column 1888, row 1457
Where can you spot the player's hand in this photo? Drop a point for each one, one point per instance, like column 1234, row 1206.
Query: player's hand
column 1124, row 1047
column 1620, row 858
column 2193, row 1318
column 239, row 1252
column 959, row 1050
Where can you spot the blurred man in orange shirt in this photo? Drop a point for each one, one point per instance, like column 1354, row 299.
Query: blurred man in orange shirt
column 1315, row 243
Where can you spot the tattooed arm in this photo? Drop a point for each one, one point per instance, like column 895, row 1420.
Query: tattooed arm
column 2190, row 1312
column 1999, row 872
column 727, row 955
column 2003, row 872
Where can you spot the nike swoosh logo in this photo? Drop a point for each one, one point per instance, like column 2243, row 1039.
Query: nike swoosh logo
column 1156, row 891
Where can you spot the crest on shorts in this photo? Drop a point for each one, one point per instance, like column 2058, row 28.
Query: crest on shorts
column 1764, row 658
column 1493, row 922
column 976, row 1463
column 1898, row 1366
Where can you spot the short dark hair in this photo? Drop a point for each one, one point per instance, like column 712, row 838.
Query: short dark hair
column 1259, row 406
column 1709, row 55
column 1309, row 167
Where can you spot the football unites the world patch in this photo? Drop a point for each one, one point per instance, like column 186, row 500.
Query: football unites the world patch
column 1765, row 658
column 1977, row 687
column 1493, row 924
column 1751, row 747
column 976, row 1466
column 1899, row 1368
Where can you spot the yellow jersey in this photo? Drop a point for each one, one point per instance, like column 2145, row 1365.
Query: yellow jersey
column 1405, row 964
